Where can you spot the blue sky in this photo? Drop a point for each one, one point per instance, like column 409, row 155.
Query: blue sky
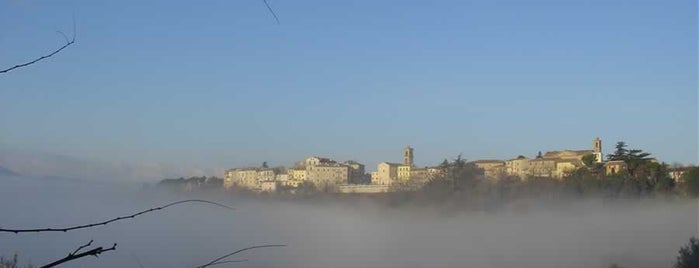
column 220, row 84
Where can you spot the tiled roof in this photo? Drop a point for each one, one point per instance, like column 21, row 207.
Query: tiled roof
column 487, row 161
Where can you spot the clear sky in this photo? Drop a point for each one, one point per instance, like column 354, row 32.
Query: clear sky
column 220, row 84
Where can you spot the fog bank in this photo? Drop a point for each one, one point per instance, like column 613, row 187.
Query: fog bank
column 590, row 233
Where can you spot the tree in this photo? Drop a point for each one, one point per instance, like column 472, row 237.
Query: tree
column 619, row 153
column 444, row 164
column 84, row 250
column 659, row 179
column 538, row 155
column 264, row 164
column 623, row 154
column 689, row 255
column 635, row 159
column 67, row 44
column 589, row 160
column 690, row 181
column 458, row 176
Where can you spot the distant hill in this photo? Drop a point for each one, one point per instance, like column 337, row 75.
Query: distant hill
column 7, row 172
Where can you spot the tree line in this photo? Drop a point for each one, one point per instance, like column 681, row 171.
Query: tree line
column 464, row 185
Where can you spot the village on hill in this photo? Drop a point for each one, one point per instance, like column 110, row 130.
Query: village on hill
column 331, row 175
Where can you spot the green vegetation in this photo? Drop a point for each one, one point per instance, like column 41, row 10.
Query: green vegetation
column 464, row 186
column 689, row 255
column 691, row 181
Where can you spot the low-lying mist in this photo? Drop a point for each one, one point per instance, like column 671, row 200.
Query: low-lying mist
column 585, row 233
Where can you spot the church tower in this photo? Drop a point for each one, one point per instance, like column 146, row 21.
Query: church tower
column 597, row 149
column 408, row 156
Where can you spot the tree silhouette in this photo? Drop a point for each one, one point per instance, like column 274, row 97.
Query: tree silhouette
column 78, row 253
column 688, row 255
column 67, row 44
column 690, row 181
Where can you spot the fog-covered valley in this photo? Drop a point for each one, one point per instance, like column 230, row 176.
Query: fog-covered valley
column 590, row 233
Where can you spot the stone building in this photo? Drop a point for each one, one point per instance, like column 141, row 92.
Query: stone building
column 328, row 175
column 356, row 172
column 565, row 167
column 555, row 164
column 325, row 172
column 385, row 173
column 492, row 169
column 298, row 174
column 614, row 167
column 517, row 167
column 388, row 173
column 542, row 167
column 247, row 177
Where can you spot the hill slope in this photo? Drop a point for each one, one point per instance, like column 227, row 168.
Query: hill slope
column 7, row 172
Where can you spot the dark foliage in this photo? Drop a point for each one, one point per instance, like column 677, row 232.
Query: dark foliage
column 688, row 255
column 690, row 180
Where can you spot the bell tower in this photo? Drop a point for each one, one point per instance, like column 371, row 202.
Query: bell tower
column 408, row 156
column 597, row 149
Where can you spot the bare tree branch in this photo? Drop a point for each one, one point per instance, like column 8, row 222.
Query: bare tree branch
column 271, row 11
column 224, row 262
column 75, row 255
column 67, row 44
column 219, row 260
column 112, row 220
column 82, row 247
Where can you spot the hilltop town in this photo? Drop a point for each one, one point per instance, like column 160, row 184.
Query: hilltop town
column 331, row 175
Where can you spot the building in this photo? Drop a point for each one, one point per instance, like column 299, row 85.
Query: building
column 328, row 175
column 542, row 167
column 282, row 177
column 385, row 173
column 403, row 172
column 492, row 169
column 568, row 154
column 242, row 177
column 250, row 178
column 298, row 174
column 554, row 164
column 325, row 172
column 356, row 172
column 268, row 186
column 408, row 156
column 597, row 149
column 388, row 173
column 614, row 167
column 578, row 154
column 419, row 173
column 517, row 167
column 567, row 166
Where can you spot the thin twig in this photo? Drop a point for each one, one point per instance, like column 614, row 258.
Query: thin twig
column 271, row 11
column 67, row 44
column 112, row 220
column 216, row 261
column 224, row 262
column 75, row 255
column 82, row 247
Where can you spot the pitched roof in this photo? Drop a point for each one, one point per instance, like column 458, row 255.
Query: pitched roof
column 551, row 153
column 488, row 161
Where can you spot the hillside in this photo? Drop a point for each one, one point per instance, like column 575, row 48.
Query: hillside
column 7, row 172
